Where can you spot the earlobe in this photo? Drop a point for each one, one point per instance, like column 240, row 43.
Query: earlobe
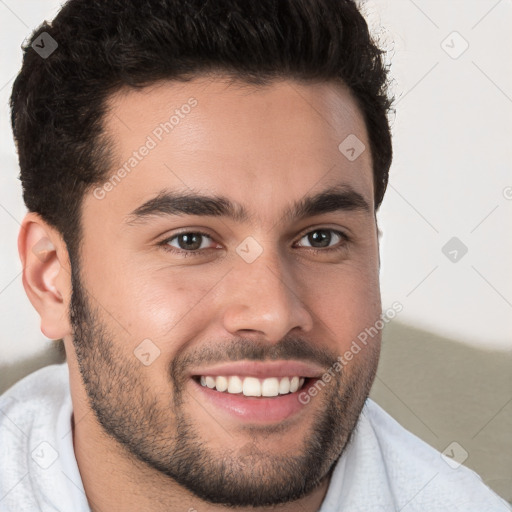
column 46, row 274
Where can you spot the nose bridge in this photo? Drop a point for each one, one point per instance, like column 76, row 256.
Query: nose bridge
column 262, row 296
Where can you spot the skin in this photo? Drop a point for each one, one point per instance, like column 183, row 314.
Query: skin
column 264, row 147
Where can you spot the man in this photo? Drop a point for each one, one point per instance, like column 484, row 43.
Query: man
column 202, row 180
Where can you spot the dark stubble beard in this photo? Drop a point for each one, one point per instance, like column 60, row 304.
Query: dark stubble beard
column 156, row 429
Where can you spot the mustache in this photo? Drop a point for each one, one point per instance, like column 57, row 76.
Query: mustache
column 240, row 349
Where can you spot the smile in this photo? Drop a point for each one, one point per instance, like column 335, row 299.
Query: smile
column 253, row 386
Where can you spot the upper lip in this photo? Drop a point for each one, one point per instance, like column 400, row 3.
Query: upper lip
column 263, row 369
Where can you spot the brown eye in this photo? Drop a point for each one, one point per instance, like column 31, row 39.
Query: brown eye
column 323, row 238
column 191, row 241
column 320, row 238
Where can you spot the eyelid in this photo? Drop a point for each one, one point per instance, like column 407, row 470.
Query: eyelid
column 344, row 238
column 197, row 252
column 183, row 231
column 323, row 227
column 165, row 242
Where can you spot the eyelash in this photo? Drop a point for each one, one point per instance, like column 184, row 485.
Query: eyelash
column 181, row 252
column 197, row 252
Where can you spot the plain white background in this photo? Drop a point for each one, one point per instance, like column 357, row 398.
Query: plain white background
column 451, row 175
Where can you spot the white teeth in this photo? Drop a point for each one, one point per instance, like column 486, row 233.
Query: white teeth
column 294, row 384
column 284, row 386
column 270, row 387
column 221, row 383
column 234, row 384
column 252, row 386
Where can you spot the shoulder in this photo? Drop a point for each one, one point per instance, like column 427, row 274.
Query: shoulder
column 420, row 475
column 29, row 414
column 39, row 394
column 41, row 391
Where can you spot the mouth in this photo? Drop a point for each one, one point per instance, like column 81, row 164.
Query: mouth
column 252, row 386
column 256, row 392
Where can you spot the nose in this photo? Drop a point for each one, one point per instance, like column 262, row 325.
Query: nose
column 266, row 298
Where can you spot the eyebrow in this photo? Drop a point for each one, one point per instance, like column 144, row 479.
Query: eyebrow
column 172, row 203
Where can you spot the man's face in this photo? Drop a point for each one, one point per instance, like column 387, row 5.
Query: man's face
column 174, row 295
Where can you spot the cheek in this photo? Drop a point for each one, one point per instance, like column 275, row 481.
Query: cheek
column 346, row 301
column 161, row 304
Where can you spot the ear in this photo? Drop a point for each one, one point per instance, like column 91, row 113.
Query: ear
column 46, row 274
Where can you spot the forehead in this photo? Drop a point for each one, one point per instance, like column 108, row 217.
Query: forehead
column 263, row 146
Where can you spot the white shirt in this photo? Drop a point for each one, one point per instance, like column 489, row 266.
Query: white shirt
column 383, row 468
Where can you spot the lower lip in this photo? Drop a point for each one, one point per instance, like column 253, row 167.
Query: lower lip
column 256, row 409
